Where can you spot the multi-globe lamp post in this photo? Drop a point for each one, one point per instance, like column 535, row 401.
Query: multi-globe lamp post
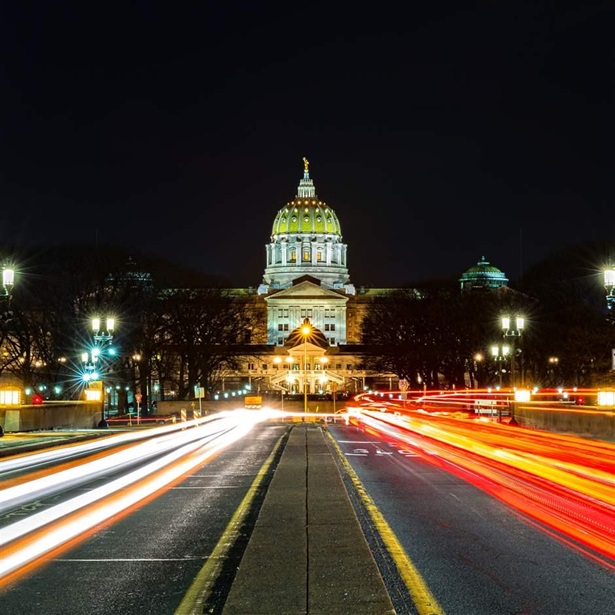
column 500, row 354
column 512, row 329
column 609, row 287
column 93, row 359
column 8, row 282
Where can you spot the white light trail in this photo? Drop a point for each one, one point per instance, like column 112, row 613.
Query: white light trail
column 31, row 538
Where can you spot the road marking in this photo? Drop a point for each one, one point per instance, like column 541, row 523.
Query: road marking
column 199, row 592
column 358, row 442
column 406, row 453
column 187, row 558
column 423, row 599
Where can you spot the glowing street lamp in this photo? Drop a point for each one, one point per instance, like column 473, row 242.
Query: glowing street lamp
column 102, row 339
column 609, row 286
column 500, row 354
column 306, row 330
column 513, row 332
column 8, row 282
column 8, row 279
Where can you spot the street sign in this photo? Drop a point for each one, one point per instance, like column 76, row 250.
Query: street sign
column 403, row 384
column 254, row 401
column 138, row 397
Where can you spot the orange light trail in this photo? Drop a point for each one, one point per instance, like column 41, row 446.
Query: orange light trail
column 565, row 483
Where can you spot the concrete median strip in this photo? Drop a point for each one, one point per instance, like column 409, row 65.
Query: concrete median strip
column 307, row 553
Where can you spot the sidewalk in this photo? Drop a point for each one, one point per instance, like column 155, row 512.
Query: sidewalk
column 307, row 553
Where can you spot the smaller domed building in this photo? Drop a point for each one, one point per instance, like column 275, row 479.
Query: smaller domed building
column 482, row 276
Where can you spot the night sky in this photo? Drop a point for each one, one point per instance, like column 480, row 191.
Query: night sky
column 438, row 134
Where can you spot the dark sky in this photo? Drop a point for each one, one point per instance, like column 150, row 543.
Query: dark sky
column 438, row 134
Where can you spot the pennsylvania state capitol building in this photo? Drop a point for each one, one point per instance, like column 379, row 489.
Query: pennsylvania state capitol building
column 308, row 314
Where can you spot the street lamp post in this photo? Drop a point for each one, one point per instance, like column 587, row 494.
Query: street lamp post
column 609, row 286
column 553, row 362
column 102, row 338
column 499, row 353
column 306, row 330
column 8, row 282
column 513, row 332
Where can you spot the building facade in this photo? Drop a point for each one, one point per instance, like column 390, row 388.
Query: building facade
column 306, row 283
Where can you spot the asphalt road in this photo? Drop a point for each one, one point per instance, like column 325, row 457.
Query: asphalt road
column 475, row 554
column 145, row 562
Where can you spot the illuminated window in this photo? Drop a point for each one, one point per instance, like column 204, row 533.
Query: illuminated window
column 9, row 397
column 306, row 255
column 318, row 256
column 293, row 256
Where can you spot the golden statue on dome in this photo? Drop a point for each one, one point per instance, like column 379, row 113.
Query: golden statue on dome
column 306, row 164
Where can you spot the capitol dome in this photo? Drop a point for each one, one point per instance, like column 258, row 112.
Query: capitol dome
column 306, row 216
column 482, row 276
column 306, row 239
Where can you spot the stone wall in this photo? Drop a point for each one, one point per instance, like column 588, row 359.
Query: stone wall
column 50, row 415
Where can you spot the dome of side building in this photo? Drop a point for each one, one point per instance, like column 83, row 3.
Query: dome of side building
column 482, row 276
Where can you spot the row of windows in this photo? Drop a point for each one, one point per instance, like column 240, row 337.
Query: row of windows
column 306, row 256
column 296, row 366
column 306, row 312
column 284, row 326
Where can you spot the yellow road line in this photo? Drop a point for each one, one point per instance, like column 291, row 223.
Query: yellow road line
column 200, row 589
column 423, row 599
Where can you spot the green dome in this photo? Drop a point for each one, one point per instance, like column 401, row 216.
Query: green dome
column 309, row 216
column 483, row 275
